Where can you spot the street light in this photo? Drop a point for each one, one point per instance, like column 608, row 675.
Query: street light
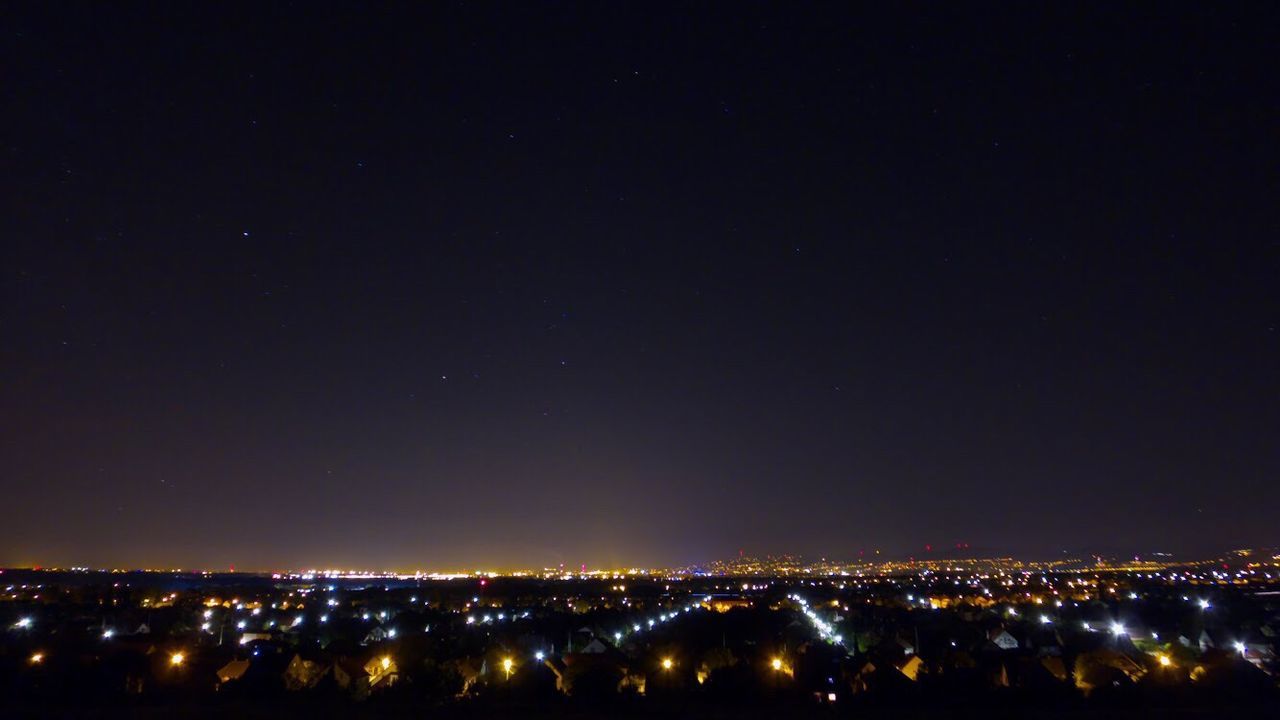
column 36, row 658
column 776, row 663
column 177, row 659
column 1164, row 660
column 667, row 663
column 507, row 664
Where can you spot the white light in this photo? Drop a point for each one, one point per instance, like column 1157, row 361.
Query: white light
column 1117, row 629
column 204, row 627
column 471, row 620
column 391, row 632
column 1045, row 620
column 539, row 656
column 1204, row 604
column 297, row 621
column 208, row 614
column 240, row 625
column 617, row 636
column 1086, row 626
column 106, row 634
column 324, row 618
column 635, row 628
column 23, row 623
column 257, row 611
column 1240, row 647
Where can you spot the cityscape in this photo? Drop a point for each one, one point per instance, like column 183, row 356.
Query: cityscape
column 748, row 636
column 718, row 360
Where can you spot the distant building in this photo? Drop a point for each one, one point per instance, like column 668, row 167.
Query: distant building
column 1002, row 639
column 233, row 670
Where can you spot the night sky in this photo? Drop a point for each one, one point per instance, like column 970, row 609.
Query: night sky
column 464, row 284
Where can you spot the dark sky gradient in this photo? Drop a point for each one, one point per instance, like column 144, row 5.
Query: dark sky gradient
column 457, row 284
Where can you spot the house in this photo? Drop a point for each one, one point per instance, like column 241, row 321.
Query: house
column 879, row 679
column 301, row 674
column 1002, row 639
column 233, row 670
column 362, row 678
column 382, row 671
column 1098, row 668
column 1055, row 667
column 595, row 647
column 596, row 669
column 725, row 604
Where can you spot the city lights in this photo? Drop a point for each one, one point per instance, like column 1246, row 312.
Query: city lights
column 177, row 659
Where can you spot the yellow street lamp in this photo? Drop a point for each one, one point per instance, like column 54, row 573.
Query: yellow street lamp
column 667, row 663
column 37, row 658
column 776, row 663
column 1164, row 660
column 385, row 662
column 507, row 664
column 177, row 659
